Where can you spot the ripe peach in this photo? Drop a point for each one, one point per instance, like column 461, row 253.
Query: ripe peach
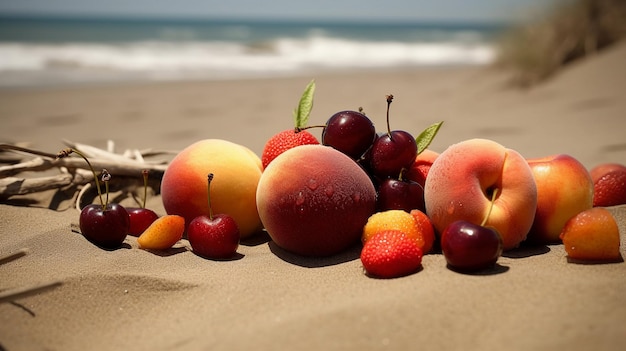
column 314, row 201
column 421, row 166
column 237, row 172
column 564, row 189
column 461, row 183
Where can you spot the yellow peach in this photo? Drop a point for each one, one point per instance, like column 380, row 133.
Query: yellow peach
column 463, row 179
column 564, row 189
column 236, row 170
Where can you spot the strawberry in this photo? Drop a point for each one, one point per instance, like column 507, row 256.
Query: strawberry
column 391, row 254
column 284, row 141
column 610, row 189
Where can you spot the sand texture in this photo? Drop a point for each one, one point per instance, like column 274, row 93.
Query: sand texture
column 267, row 299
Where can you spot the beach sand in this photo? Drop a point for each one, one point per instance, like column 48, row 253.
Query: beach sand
column 132, row 299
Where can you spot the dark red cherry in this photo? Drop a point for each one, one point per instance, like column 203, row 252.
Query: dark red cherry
column 140, row 219
column 105, row 228
column 395, row 194
column 350, row 132
column 469, row 247
column 392, row 152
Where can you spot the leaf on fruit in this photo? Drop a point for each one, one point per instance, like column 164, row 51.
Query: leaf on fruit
column 426, row 137
column 302, row 112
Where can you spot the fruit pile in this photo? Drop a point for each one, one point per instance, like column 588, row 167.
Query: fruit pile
column 385, row 190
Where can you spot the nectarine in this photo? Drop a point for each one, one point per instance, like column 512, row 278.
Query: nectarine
column 462, row 180
column 314, row 200
column 564, row 189
column 237, row 172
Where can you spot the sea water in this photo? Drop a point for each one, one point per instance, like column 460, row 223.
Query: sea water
column 42, row 51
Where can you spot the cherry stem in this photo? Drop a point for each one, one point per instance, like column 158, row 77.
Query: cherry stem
column 144, row 173
column 106, row 176
column 299, row 129
column 389, row 100
column 210, row 178
column 493, row 199
column 66, row 152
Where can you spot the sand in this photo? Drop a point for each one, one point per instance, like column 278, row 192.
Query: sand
column 129, row 298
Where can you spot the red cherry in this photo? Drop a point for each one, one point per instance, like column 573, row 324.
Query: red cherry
column 396, row 194
column 106, row 228
column 470, row 247
column 216, row 237
column 213, row 236
column 140, row 219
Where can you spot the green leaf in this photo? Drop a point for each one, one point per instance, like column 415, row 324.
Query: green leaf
column 302, row 112
column 426, row 137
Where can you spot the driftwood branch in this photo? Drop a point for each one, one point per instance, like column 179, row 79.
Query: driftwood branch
column 126, row 168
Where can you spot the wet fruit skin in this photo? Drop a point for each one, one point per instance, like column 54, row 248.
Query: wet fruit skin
column 391, row 254
column 350, row 132
column 469, row 247
column 104, row 228
column 216, row 238
column 314, row 200
column 610, row 189
column 592, row 235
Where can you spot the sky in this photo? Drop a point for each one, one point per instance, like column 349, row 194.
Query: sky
column 380, row 10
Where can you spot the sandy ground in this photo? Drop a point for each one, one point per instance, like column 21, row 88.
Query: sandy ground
column 268, row 299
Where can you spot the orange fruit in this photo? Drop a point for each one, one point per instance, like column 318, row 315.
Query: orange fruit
column 163, row 233
column 425, row 228
column 592, row 235
column 403, row 221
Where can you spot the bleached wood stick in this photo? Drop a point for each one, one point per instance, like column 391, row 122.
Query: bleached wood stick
column 18, row 293
column 21, row 186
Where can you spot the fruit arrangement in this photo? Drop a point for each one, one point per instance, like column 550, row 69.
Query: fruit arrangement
column 383, row 190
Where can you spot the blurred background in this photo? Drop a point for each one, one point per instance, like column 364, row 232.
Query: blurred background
column 60, row 42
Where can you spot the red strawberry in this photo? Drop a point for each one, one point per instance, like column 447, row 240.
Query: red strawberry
column 391, row 254
column 610, row 189
column 284, row 141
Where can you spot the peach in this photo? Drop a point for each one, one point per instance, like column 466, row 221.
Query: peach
column 462, row 180
column 564, row 189
column 236, row 170
column 314, row 201
column 421, row 166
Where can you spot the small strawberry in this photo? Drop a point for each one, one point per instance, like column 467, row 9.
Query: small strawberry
column 284, row 141
column 391, row 254
column 610, row 189
column 297, row 136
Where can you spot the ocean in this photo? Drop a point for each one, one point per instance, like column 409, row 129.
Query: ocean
column 43, row 51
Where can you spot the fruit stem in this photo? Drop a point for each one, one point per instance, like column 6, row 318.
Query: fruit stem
column 299, row 129
column 210, row 178
column 493, row 199
column 144, row 173
column 66, row 152
column 389, row 100
column 106, row 176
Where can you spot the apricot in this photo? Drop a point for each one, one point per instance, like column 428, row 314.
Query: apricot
column 236, row 170
column 314, row 201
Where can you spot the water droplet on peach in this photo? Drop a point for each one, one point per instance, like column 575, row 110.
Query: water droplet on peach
column 312, row 184
column 329, row 191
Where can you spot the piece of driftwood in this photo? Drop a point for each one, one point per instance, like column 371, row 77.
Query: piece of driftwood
column 74, row 171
